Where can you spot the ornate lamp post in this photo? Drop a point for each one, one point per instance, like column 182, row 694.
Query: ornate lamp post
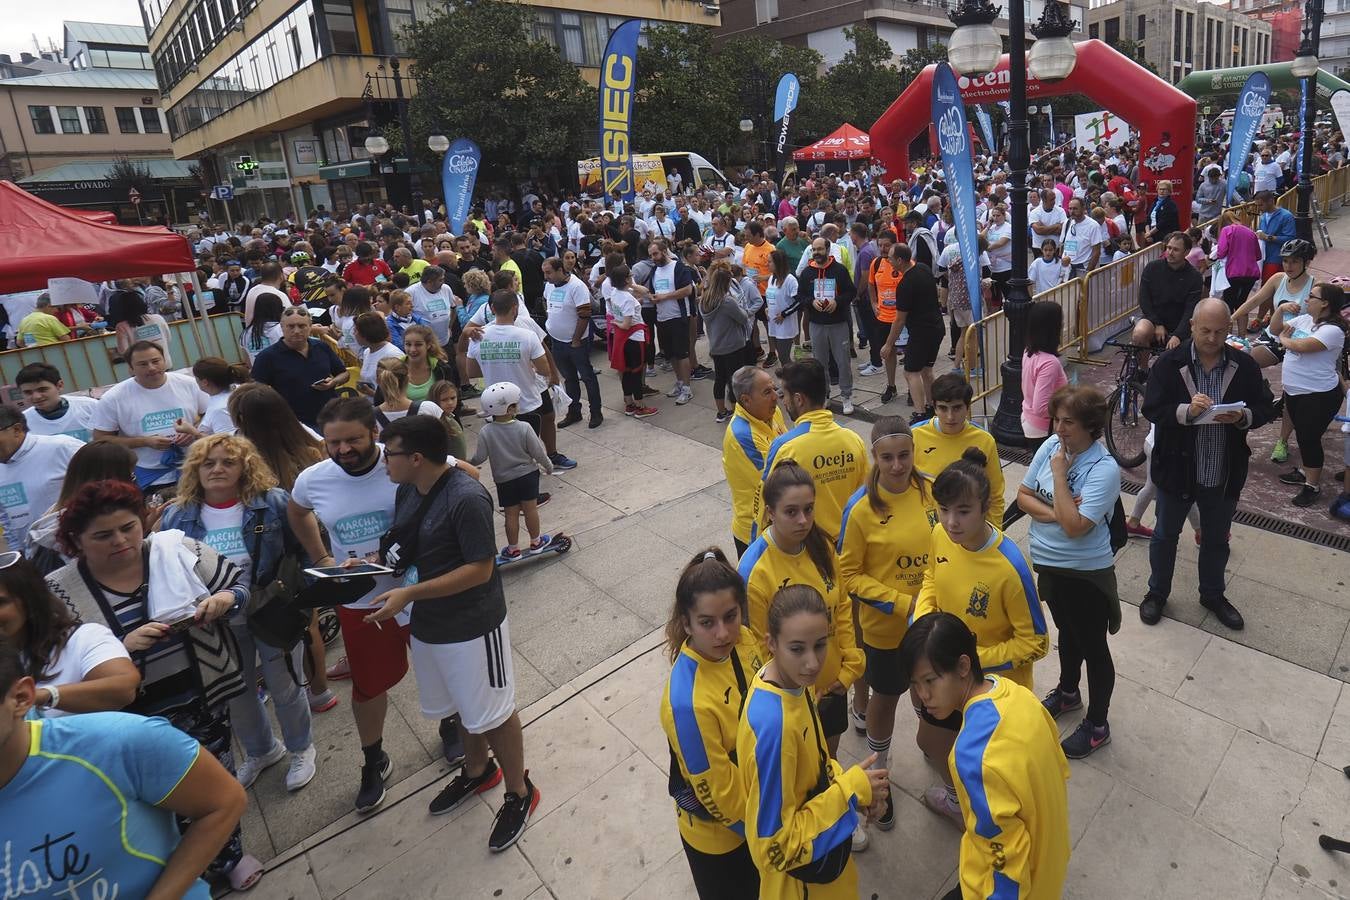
column 1305, row 67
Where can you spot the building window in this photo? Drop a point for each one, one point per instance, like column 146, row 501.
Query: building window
column 93, row 117
column 1093, row 33
column 150, row 121
column 126, row 120
column 765, row 11
column 545, row 26
column 1140, row 27
column 1218, row 45
column 573, row 48
column 1189, row 58
column 1113, row 31
column 341, row 26
column 400, row 23
column 1176, row 35
column 42, row 119
column 70, row 119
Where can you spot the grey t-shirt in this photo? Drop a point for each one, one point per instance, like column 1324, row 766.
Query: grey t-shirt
column 457, row 529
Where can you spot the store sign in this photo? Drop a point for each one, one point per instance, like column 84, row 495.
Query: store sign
column 306, row 153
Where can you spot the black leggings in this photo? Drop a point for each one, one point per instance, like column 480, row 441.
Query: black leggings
column 1311, row 414
column 724, row 366
column 724, row 876
column 632, row 359
column 649, row 318
column 1238, row 289
column 1080, row 610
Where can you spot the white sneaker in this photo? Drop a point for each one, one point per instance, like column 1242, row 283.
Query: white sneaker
column 675, row 391
column 860, row 839
column 684, row 396
column 869, row 369
column 847, row 408
column 301, row 771
column 253, row 766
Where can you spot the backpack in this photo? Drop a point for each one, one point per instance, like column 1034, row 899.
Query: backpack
column 272, row 614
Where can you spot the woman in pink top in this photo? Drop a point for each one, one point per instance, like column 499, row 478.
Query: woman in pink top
column 1042, row 373
column 1240, row 250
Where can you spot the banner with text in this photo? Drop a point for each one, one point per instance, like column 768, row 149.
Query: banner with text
column 1340, row 105
column 1093, row 129
column 618, row 76
column 949, row 117
column 1251, row 106
column 789, row 92
column 459, row 171
column 986, row 129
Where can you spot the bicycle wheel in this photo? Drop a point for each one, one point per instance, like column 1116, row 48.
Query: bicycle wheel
column 1126, row 427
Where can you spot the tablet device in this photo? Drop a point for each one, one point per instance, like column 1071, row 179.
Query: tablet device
column 365, row 568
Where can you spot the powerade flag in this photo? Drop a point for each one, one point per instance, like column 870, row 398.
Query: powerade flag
column 1302, row 122
column 618, row 75
column 459, row 171
column 949, row 118
column 789, row 90
column 1050, row 117
column 986, row 128
column 1251, row 105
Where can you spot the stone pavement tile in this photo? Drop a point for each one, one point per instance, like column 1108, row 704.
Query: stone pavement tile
column 539, row 592
column 1285, row 885
column 1222, row 686
column 292, row 881
column 1319, row 572
column 368, row 845
column 1321, row 809
column 911, row 860
column 1335, row 749
column 910, row 771
column 630, row 804
column 603, row 476
column 652, row 487
column 670, row 882
column 571, row 510
column 645, row 675
column 454, row 855
column 1257, row 784
column 1137, row 847
column 1164, row 748
column 720, row 490
column 1088, row 790
column 257, row 840
column 640, row 722
column 1340, row 666
column 694, row 523
column 1284, row 624
column 594, row 630
column 1158, row 656
column 530, row 682
column 1132, row 571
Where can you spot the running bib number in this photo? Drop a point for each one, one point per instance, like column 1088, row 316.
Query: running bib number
column 1070, row 247
column 824, row 288
column 438, row 308
column 663, row 285
column 751, row 271
column 556, row 298
column 888, row 297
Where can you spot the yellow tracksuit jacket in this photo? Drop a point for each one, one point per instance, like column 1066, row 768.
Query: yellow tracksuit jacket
column 883, row 557
column 1010, row 773
column 993, row 592
column 700, row 710
column 935, row 451
column 780, row 765
column 767, row 569
column 835, row 456
column 744, row 448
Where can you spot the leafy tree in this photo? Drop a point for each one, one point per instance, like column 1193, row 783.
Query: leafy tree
column 126, row 174
column 916, row 60
column 681, row 103
column 865, row 81
column 481, row 75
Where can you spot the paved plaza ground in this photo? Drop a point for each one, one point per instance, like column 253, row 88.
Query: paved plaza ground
column 1225, row 763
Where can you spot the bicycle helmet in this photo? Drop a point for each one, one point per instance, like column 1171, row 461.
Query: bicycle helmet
column 1299, row 249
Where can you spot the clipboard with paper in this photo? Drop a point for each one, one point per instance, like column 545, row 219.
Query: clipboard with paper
column 1208, row 416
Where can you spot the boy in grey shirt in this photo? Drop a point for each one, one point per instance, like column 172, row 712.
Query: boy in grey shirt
column 516, row 454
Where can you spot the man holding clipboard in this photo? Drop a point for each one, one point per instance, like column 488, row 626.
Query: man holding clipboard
column 1203, row 397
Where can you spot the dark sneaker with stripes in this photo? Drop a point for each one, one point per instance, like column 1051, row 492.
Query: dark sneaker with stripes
column 463, row 786
column 513, row 817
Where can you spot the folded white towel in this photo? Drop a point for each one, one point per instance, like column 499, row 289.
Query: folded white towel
column 174, row 590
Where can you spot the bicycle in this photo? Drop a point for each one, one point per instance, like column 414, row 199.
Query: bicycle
column 1126, row 427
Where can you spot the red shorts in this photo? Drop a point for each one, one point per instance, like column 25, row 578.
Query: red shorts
column 1269, row 269
column 378, row 655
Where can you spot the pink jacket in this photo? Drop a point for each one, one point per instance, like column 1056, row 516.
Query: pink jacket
column 1240, row 250
column 1042, row 375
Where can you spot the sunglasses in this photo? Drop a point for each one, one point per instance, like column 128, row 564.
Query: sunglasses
column 9, row 558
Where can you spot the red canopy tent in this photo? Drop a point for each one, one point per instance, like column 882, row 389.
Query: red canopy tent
column 39, row 240
column 94, row 215
column 846, row 143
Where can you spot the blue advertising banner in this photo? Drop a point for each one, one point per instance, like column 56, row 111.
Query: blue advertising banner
column 1302, row 122
column 949, row 117
column 618, row 76
column 1251, row 106
column 459, row 171
column 789, row 92
column 1050, row 117
column 986, row 129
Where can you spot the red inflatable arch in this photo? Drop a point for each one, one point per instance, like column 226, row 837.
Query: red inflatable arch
column 1163, row 115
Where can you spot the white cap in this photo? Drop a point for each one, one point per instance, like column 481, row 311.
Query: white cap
column 498, row 398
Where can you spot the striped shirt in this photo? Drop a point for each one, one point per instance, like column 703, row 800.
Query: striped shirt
column 1211, row 453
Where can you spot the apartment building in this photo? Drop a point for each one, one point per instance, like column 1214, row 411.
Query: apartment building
column 1182, row 36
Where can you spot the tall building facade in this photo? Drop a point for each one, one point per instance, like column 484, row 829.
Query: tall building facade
column 281, row 83
column 1286, row 21
column 1182, row 36
column 1334, row 48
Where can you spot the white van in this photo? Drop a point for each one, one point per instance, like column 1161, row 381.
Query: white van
column 695, row 171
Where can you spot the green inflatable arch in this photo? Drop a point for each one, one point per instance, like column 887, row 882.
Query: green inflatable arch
column 1229, row 81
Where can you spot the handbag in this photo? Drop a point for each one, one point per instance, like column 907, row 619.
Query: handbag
column 271, row 613
column 831, row 865
column 398, row 545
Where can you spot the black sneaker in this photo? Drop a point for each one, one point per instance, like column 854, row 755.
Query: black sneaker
column 1306, row 496
column 1057, row 703
column 1150, row 611
column 918, row 418
column 887, row 820
column 373, row 777
column 649, row 391
column 569, row 420
column 452, row 748
column 464, row 786
column 468, row 392
column 889, row 394
column 513, row 817
column 597, row 419
column 1085, row 740
column 700, row 373
column 1294, row 476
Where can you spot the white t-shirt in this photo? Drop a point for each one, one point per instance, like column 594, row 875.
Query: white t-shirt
column 1310, row 373
column 370, row 360
column 154, row 328
column 1266, row 176
column 1078, row 240
column 216, row 419
column 1042, row 216
column 225, row 535
column 89, row 646
column 346, row 325
column 1000, row 258
column 506, row 353
column 132, row 411
column 356, row 509
column 74, row 422
column 725, row 241
column 624, row 305
column 271, row 334
column 563, row 301
column 1045, row 275
column 251, row 297
column 779, row 297
column 480, row 318
column 420, row 408
column 661, row 227
column 31, row 481
column 663, row 282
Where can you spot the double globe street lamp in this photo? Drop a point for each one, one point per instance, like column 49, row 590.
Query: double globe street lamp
column 377, row 146
column 1305, row 67
column 976, row 48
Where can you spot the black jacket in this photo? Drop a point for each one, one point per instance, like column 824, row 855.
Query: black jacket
column 1167, row 296
column 1171, row 385
column 844, row 293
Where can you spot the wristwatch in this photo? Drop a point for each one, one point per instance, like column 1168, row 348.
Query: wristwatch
column 54, row 702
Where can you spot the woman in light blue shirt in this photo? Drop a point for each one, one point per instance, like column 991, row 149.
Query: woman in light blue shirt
column 1070, row 492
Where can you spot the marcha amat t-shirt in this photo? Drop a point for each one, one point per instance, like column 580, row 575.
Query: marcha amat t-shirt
column 133, row 410
column 356, row 509
column 74, row 421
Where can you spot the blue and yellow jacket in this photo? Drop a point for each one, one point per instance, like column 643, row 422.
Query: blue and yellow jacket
column 835, row 456
column 935, row 450
column 744, row 448
column 993, row 592
column 767, row 569
column 700, row 711
column 1010, row 778
column 780, row 746
column 882, row 557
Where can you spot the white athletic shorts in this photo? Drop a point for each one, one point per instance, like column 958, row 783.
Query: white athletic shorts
column 474, row 678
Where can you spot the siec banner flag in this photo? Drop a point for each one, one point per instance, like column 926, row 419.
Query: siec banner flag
column 1251, row 106
column 953, row 134
column 459, row 171
column 789, row 92
column 618, row 76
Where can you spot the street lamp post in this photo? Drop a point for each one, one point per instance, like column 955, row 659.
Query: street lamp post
column 437, row 143
column 1305, row 67
column 377, row 147
column 975, row 49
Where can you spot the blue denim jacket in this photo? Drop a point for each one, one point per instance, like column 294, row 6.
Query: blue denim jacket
column 266, row 511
